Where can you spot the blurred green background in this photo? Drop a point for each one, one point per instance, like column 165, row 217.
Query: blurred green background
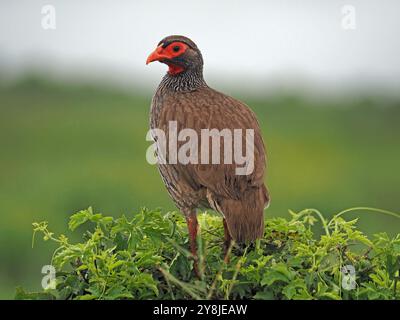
column 67, row 146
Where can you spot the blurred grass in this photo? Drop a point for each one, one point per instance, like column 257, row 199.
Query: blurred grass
column 65, row 147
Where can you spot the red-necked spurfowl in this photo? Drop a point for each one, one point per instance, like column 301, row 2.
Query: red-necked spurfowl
column 184, row 99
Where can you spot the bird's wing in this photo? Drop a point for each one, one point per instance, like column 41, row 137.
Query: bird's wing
column 209, row 109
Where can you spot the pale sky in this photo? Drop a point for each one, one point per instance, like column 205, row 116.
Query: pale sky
column 260, row 43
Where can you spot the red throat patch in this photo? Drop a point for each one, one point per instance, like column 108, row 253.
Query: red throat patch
column 174, row 69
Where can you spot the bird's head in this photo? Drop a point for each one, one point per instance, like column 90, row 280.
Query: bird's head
column 179, row 53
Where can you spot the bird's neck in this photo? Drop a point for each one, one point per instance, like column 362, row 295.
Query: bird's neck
column 186, row 81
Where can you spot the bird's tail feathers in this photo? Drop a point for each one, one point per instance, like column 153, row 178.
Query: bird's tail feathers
column 245, row 217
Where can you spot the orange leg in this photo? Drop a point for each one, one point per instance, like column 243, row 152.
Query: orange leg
column 193, row 227
column 227, row 241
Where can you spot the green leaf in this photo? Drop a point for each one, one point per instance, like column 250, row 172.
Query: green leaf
column 264, row 295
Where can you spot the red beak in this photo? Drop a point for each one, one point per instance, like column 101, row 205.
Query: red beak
column 156, row 55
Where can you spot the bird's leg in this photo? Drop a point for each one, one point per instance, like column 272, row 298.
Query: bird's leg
column 193, row 226
column 227, row 242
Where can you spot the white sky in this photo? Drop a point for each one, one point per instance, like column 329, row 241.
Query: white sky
column 263, row 42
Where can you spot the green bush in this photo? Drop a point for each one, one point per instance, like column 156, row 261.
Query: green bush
column 145, row 257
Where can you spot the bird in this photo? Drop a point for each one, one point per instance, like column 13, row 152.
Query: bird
column 184, row 98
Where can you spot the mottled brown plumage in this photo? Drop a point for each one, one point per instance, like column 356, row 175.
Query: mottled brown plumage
column 183, row 96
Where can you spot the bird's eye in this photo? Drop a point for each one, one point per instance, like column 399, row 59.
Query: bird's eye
column 176, row 48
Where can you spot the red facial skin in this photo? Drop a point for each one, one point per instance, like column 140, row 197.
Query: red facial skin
column 170, row 52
